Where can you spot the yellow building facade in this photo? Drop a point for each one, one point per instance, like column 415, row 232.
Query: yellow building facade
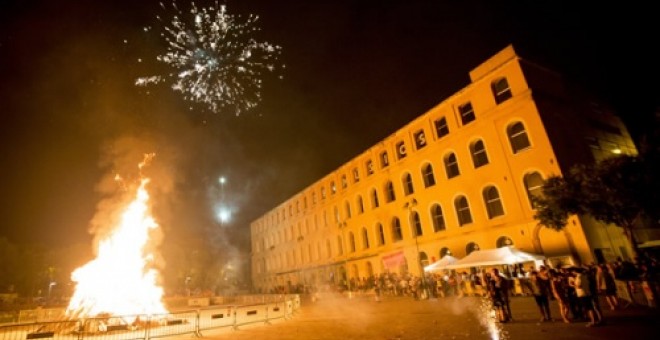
column 456, row 179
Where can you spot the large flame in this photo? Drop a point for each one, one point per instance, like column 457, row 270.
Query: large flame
column 120, row 281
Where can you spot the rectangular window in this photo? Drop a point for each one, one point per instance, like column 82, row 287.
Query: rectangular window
column 401, row 151
column 441, row 127
column 370, row 167
column 420, row 139
column 467, row 113
column 384, row 159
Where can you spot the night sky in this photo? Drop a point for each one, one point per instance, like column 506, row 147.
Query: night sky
column 356, row 71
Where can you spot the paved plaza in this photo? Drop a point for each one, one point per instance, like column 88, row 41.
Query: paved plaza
column 337, row 317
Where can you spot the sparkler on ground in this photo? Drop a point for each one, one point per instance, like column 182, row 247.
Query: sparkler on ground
column 487, row 316
column 214, row 58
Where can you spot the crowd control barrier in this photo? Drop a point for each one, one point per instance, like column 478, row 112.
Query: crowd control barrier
column 144, row 327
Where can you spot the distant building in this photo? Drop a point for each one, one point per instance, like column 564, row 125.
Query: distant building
column 456, row 179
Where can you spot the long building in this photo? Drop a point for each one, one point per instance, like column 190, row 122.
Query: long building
column 454, row 180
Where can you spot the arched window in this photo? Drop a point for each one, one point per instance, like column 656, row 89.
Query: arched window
column 360, row 205
column 423, row 259
column 416, row 224
column 478, row 152
column 389, row 192
column 365, row 239
column 438, row 218
column 374, row 198
column 501, row 90
column 347, row 206
column 451, row 165
column 444, row 251
column 493, row 202
column 340, row 245
column 427, row 175
column 462, row 210
column 328, row 248
column 351, row 241
column 504, row 242
column 471, row 247
column 533, row 186
column 517, row 137
column 408, row 184
column 397, row 234
column 381, row 234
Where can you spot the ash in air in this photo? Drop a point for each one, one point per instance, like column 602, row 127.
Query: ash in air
column 213, row 58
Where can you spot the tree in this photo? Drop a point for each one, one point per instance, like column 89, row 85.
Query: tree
column 614, row 191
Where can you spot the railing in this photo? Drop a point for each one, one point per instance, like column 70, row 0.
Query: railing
column 260, row 309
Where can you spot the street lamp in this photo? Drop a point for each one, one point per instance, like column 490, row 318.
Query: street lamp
column 410, row 205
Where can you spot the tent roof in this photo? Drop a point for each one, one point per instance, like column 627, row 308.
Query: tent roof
column 494, row 257
column 441, row 263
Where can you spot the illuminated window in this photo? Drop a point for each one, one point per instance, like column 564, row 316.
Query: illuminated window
column 401, row 150
column 384, row 159
column 420, row 139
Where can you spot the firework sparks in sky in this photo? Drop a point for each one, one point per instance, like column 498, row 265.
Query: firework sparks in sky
column 214, row 59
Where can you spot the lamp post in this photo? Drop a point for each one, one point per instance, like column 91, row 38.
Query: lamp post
column 342, row 226
column 410, row 205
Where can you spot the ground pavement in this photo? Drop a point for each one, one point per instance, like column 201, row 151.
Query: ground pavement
column 338, row 317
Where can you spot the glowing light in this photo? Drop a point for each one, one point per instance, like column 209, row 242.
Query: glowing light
column 223, row 214
column 121, row 280
column 214, row 58
column 616, row 151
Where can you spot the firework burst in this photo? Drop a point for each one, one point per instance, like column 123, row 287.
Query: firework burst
column 214, row 58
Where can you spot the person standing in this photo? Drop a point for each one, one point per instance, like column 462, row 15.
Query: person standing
column 584, row 295
column 541, row 290
column 607, row 285
column 498, row 291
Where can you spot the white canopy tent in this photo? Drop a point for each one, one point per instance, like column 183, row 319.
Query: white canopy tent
column 440, row 264
column 494, row 257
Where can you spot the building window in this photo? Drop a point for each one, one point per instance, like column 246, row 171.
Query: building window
column 370, row 167
column 467, row 113
column 374, row 199
column 533, row 186
column 344, row 182
column 365, row 239
column 462, row 210
column 478, row 152
column 517, row 137
column 389, row 192
column 408, row 187
column 348, row 209
column 360, row 205
column 381, row 234
column 397, row 234
column 340, row 245
column 504, row 242
column 444, row 251
column 441, row 127
column 493, row 202
column 333, row 187
column 471, row 247
column 451, row 165
column 417, row 224
column 420, row 139
column 384, row 159
column 322, row 192
column 356, row 175
column 501, row 90
column 401, row 150
column 351, row 242
column 427, row 175
column 438, row 218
